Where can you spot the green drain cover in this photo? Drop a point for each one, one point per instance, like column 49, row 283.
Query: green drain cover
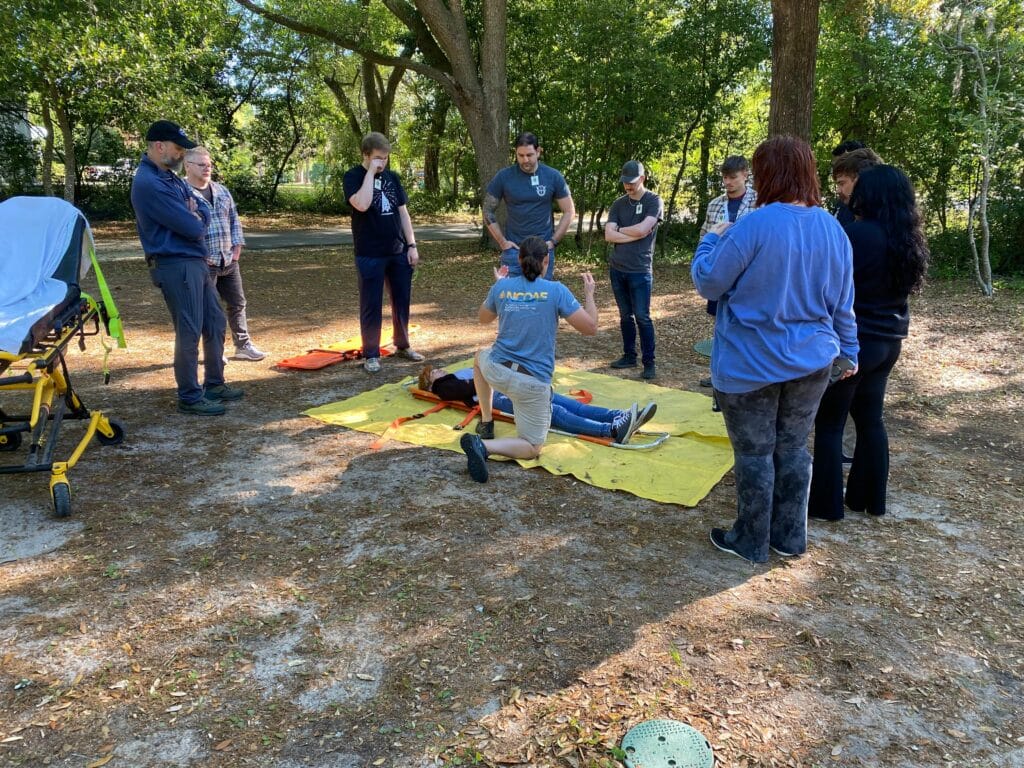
column 703, row 347
column 666, row 744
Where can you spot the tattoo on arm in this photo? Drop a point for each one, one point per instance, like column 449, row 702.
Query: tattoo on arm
column 490, row 207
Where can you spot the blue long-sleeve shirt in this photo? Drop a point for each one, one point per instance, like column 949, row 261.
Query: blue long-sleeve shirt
column 783, row 277
column 166, row 225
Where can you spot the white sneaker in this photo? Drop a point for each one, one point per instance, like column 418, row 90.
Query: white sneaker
column 372, row 365
column 249, row 351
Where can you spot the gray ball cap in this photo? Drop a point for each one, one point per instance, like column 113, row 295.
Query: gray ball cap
column 631, row 172
column 165, row 130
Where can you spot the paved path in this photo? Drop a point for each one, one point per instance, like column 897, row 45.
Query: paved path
column 121, row 248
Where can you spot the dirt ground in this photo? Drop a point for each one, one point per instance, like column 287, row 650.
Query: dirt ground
column 261, row 589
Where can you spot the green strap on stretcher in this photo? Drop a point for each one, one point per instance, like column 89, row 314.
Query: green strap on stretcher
column 112, row 317
column 114, row 327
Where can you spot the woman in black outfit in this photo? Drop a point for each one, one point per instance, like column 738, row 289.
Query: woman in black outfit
column 890, row 256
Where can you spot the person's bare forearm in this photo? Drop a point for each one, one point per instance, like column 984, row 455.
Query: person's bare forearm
column 568, row 214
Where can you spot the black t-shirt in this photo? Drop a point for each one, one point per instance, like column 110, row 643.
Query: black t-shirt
column 882, row 309
column 451, row 387
column 377, row 231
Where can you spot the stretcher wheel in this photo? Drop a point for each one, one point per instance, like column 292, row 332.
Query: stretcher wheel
column 117, row 438
column 12, row 442
column 61, row 493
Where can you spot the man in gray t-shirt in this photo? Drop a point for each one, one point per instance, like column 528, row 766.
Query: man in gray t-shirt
column 527, row 188
column 631, row 228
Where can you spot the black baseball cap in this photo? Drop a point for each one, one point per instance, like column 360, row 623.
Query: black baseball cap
column 165, row 130
column 631, row 172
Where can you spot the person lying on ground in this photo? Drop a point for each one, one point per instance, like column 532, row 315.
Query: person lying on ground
column 567, row 413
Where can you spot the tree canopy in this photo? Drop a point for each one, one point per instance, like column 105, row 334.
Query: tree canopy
column 283, row 89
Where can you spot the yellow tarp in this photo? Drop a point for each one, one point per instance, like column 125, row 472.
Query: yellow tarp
column 682, row 470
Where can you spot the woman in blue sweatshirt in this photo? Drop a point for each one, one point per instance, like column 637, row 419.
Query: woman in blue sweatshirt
column 783, row 277
column 890, row 256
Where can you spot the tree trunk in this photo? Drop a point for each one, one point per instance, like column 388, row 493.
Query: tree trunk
column 338, row 89
column 794, row 54
column 705, row 168
column 67, row 134
column 296, row 138
column 676, row 183
column 432, row 151
column 472, row 69
column 47, row 150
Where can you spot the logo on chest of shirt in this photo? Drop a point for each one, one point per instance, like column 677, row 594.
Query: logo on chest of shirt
column 385, row 204
column 541, row 190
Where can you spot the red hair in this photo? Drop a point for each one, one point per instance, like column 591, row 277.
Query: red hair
column 785, row 172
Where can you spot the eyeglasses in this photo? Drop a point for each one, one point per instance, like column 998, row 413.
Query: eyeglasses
column 200, row 165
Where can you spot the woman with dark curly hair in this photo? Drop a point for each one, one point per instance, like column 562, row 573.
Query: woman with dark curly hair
column 783, row 278
column 890, row 256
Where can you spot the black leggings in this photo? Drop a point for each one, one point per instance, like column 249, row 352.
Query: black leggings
column 862, row 397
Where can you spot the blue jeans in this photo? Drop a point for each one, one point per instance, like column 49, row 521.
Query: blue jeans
column 228, row 280
column 768, row 429
column 862, row 397
column 510, row 259
column 633, row 295
column 195, row 311
column 570, row 415
column 375, row 274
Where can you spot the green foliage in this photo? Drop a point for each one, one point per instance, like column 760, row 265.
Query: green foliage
column 17, row 163
column 109, row 200
column 618, row 81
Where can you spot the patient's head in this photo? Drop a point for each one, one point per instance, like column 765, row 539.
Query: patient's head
column 429, row 375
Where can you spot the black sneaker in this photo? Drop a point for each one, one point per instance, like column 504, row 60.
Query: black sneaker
column 646, row 414
column 223, row 392
column 624, row 426
column 718, row 539
column 623, row 362
column 824, row 518
column 476, row 456
column 201, row 407
column 783, row 553
column 650, row 371
column 485, row 429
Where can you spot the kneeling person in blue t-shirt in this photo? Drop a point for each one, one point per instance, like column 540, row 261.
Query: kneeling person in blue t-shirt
column 522, row 360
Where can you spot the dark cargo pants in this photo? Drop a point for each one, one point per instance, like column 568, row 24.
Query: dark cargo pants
column 768, row 429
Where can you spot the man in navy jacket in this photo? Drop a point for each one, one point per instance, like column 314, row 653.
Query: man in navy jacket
column 172, row 230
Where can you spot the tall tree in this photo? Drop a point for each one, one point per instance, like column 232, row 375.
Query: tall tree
column 794, row 53
column 462, row 51
column 97, row 62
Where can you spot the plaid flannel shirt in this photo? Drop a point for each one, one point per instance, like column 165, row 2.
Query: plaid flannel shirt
column 718, row 209
column 225, row 230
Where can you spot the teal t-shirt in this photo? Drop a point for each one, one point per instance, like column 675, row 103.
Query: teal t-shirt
column 528, row 314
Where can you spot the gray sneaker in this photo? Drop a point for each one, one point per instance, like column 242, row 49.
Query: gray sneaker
column 201, row 407
column 646, row 414
column 410, row 354
column 372, row 365
column 249, row 351
column 485, row 429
